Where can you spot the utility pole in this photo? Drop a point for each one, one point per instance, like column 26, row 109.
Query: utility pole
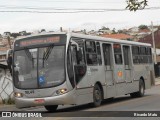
column 9, row 42
column 153, row 41
column 61, row 29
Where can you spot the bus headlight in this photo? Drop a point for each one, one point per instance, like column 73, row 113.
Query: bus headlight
column 61, row 91
column 18, row 94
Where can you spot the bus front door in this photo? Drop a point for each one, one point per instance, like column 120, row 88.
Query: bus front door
column 108, row 61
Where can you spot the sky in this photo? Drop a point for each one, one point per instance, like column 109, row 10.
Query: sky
column 52, row 19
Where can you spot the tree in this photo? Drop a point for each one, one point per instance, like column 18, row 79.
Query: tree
column 114, row 31
column 141, row 27
column 15, row 35
column 134, row 5
column 104, row 28
column 120, row 31
column 43, row 30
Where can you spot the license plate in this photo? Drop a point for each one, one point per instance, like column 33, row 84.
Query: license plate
column 39, row 101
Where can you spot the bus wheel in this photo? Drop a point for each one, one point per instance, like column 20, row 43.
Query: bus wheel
column 141, row 89
column 97, row 96
column 51, row 108
column 140, row 93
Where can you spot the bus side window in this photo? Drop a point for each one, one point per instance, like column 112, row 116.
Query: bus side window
column 91, row 54
column 99, row 53
column 117, row 53
column 106, row 52
column 142, row 54
column 126, row 54
column 149, row 55
column 135, row 53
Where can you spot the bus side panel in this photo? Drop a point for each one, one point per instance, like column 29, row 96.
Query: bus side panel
column 83, row 86
column 148, row 80
column 151, row 77
column 96, row 74
column 144, row 72
column 85, row 93
column 110, row 91
column 132, row 87
column 84, row 98
column 101, row 79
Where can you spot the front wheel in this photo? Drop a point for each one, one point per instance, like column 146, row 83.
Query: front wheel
column 51, row 108
column 97, row 96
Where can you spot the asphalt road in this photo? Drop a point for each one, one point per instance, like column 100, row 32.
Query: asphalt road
column 110, row 108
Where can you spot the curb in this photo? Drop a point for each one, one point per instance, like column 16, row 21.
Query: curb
column 6, row 106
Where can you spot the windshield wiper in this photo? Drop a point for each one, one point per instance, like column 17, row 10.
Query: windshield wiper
column 47, row 53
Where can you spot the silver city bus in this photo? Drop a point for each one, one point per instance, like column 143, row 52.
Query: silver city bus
column 54, row 69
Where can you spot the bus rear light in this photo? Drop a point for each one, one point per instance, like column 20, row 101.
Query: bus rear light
column 18, row 94
column 61, row 91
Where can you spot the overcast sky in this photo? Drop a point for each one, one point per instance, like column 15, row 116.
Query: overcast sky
column 15, row 22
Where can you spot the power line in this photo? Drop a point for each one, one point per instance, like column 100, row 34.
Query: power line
column 71, row 10
column 84, row 11
column 70, row 1
column 52, row 8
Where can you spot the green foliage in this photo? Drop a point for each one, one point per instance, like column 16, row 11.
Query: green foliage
column 134, row 5
column 8, row 101
column 143, row 27
column 15, row 35
column 114, row 31
column 105, row 28
column 120, row 31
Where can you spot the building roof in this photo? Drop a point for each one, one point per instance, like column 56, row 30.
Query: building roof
column 144, row 30
column 148, row 39
column 118, row 36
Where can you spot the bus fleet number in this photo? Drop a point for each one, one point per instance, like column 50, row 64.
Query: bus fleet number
column 29, row 92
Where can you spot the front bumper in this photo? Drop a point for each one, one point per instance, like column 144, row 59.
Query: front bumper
column 67, row 98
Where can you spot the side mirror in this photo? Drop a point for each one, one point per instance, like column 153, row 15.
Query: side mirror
column 9, row 59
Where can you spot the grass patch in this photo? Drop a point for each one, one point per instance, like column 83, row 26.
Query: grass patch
column 8, row 101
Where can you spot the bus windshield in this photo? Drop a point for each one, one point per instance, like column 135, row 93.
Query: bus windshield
column 39, row 67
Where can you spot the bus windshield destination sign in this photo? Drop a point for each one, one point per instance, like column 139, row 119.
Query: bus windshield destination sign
column 38, row 41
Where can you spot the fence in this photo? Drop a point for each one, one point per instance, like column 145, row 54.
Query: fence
column 6, row 86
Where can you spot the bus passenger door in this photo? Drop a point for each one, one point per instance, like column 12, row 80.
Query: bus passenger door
column 108, row 63
column 79, row 67
column 127, row 63
column 119, row 70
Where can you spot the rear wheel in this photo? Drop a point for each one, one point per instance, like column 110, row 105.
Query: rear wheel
column 97, row 96
column 140, row 93
column 51, row 108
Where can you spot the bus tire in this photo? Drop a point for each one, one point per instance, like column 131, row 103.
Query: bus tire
column 51, row 108
column 140, row 93
column 97, row 95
